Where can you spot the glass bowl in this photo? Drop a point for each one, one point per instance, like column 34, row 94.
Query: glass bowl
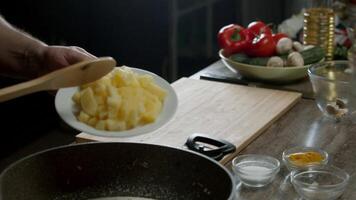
column 320, row 182
column 331, row 86
column 292, row 165
column 255, row 170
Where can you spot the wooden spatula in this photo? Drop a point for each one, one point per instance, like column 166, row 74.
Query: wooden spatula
column 73, row 75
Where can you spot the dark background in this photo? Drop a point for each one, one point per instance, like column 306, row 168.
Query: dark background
column 139, row 33
column 172, row 38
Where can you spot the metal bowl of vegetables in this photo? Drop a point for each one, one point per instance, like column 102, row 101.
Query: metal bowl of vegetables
column 256, row 67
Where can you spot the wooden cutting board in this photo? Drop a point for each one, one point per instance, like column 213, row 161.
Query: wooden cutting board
column 232, row 112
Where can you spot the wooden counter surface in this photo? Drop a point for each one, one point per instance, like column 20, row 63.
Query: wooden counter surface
column 303, row 125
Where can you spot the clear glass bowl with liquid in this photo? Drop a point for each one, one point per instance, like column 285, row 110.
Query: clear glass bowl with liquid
column 331, row 86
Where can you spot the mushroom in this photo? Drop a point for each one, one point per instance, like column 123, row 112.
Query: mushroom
column 284, row 45
column 295, row 59
column 298, row 46
column 275, row 61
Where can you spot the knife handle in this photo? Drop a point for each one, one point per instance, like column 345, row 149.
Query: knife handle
column 224, row 79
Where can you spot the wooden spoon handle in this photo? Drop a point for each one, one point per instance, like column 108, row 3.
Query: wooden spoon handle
column 21, row 89
column 70, row 76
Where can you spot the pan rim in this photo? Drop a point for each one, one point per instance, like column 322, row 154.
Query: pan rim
column 216, row 163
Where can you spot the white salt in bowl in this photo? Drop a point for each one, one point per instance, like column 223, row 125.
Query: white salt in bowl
column 255, row 170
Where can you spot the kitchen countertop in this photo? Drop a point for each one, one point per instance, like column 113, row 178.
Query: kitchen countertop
column 303, row 125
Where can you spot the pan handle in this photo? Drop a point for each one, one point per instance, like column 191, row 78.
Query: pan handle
column 213, row 148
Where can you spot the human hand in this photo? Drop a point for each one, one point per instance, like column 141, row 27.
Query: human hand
column 51, row 58
column 23, row 56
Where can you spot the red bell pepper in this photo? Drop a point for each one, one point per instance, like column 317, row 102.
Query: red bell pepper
column 233, row 39
column 262, row 46
column 261, row 43
column 258, row 28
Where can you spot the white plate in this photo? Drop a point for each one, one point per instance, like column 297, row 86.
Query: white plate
column 66, row 108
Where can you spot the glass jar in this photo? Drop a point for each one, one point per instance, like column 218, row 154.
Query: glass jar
column 352, row 65
column 319, row 25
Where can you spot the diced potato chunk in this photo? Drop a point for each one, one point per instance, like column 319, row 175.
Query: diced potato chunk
column 101, row 125
column 119, row 101
column 83, row 117
column 156, row 90
column 76, row 97
column 115, row 125
column 92, row 121
column 153, row 108
column 87, row 101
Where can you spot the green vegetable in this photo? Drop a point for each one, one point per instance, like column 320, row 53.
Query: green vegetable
column 239, row 57
column 312, row 55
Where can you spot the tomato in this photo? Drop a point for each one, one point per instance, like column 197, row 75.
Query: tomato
column 258, row 27
column 233, row 38
column 278, row 36
column 262, row 46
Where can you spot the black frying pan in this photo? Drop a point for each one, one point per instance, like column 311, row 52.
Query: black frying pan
column 101, row 170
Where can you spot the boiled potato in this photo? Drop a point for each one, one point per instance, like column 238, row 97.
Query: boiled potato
column 88, row 102
column 83, row 117
column 76, row 97
column 101, row 125
column 124, row 77
column 152, row 106
column 156, row 90
column 113, row 105
column 92, row 121
column 115, row 125
column 146, row 82
column 119, row 101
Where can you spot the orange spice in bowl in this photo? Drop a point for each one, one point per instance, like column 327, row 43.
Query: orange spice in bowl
column 305, row 158
column 300, row 157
